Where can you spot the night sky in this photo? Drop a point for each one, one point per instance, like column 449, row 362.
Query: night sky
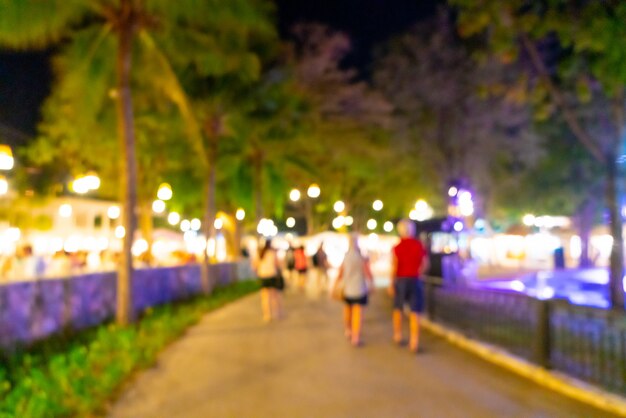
column 25, row 77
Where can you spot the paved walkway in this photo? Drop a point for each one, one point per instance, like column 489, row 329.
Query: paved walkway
column 233, row 365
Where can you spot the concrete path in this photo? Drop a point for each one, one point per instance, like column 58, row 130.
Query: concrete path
column 233, row 365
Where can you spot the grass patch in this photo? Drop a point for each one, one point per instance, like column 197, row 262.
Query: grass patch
column 76, row 374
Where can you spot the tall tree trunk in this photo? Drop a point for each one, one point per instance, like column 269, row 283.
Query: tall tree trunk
column 209, row 219
column 128, row 162
column 617, row 251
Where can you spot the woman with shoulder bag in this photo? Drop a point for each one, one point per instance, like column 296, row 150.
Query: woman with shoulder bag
column 268, row 271
column 356, row 278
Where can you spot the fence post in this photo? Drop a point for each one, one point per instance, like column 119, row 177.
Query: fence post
column 542, row 335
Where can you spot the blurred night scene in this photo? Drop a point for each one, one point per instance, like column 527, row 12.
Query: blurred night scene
column 299, row 208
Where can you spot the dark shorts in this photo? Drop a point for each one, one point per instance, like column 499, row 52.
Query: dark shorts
column 356, row 301
column 272, row 282
column 411, row 291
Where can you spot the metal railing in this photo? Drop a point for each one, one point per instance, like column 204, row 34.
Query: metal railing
column 583, row 342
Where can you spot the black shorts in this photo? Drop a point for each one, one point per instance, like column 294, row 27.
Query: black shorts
column 355, row 301
column 271, row 282
column 411, row 291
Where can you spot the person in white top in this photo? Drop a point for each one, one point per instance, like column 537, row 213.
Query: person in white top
column 268, row 271
column 356, row 275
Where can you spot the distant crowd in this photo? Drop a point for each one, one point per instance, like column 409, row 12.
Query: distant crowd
column 25, row 265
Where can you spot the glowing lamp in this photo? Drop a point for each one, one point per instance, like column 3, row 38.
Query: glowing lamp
column 65, row 210
column 240, row 214
column 120, row 232
column 113, row 212
column 371, row 224
column 173, row 218
column 388, row 226
column 313, row 191
column 290, row 222
column 349, row 220
column 339, row 206
column 195, row 224
column 6, row 157
column 218, row 224
column 377, row 205
column 164, row 192
column 339, row 222
column 294, row 195
column 158, row 206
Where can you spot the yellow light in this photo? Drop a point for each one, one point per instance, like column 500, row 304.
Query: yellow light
column 240, row 215
column 92, row 180
column 371, row 224
column 113, row 212
column 120, row 232
column 173, row 218
column 165, row 192
column 294, row 195
column 290, row 222
column 65, row 210
column 377, row 205
column 6, row 157
column 388, row 226
column 313, row 191
column 4, row 186
column 79, row 186
column 349, row 220
column 158, row 206
column 339, row 206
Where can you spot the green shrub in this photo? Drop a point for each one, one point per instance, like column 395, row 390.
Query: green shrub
column 75, row 374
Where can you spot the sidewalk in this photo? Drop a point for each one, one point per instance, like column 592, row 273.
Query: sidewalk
column 233, row 365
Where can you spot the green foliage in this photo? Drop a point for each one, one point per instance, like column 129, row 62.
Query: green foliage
column 74, row 375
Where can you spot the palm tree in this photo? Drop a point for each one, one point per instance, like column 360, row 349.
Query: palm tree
column 128, row 25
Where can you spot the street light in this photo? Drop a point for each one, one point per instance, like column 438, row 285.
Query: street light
column 84, row 184
column 6, row 157
column 165, row 192
column 313, row 191
column 113, row 212
column 158, row 206
column 294, row 195
column 173, row 218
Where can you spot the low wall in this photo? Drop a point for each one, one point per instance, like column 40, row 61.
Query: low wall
column 33, row 310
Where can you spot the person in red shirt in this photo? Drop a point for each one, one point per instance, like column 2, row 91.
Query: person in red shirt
column 410, row 261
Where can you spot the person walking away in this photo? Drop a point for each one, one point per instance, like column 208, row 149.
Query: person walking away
column 290, row 264
column 410, row 261
column 356, row 275
column 301, row 265
column 320, row 264
column 268, row 270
